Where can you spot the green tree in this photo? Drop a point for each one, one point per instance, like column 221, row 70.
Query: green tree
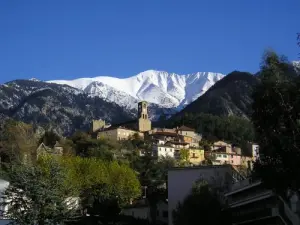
column 201, row 206
column 50, row 138
column 18, row 140
column 184, row 157
column 276, row 120
column 102, row 185
column 38, row 194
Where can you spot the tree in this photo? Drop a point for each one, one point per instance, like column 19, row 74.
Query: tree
column 201, row 206
column 50, row 138
column 38, row 194
column 18, row 140
column 276, row 120
column 102, row 185
column 184, row 157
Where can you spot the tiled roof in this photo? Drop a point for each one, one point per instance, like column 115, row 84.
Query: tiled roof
column 185, row 128
column 165, row 133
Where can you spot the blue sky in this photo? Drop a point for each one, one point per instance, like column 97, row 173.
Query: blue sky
column 66, row 39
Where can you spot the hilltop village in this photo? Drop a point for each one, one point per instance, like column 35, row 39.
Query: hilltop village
column 179, row 143
column 183, row 145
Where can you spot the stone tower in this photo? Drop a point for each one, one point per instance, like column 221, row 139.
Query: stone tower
column 97, row 125
column 144, row 124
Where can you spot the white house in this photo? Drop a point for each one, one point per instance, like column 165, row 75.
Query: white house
column 181, row 180
column 160, row 151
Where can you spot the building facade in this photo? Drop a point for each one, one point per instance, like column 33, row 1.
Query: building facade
column 196, row 156
column 250, row 203
column 118, row 134
column 181, row 181
column 163, row 151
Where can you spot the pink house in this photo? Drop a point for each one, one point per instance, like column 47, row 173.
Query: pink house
column 227, row 158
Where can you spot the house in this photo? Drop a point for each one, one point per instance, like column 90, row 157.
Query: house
column 162, row 215
column 187, row 131
column 163, row 150
column 45, row 150
column 178, row 144
column 196, row 156
column 190, row 135
column 226, row 158
column 181, row 180
column 221, row 145
column 141, row 210
column 249, row 203
column 137, row 210
column 118, row 133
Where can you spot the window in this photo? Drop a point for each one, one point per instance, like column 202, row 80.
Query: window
column 224, row 156
column 231, row 161
column 165, row 214
column 231, row 156
column 194, row 155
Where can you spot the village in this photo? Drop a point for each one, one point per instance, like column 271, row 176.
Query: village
column 178, row 143
column 221, row 164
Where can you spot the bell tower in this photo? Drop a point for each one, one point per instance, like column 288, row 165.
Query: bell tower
column 144, row 124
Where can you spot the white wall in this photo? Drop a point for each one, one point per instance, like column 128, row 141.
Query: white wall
column 163, row 151
column 181, row 180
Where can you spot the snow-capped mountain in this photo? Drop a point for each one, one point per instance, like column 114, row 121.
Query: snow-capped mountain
column 168, row 90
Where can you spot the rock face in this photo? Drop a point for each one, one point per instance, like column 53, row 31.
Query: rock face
column 60, row 107
column 229, row 96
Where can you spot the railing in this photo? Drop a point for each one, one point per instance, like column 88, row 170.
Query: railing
column 290, row 217
column 256, row 196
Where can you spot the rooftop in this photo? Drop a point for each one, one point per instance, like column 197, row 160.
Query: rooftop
column 185, row 128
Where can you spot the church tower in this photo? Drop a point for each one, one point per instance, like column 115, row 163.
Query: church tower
column 144, row 124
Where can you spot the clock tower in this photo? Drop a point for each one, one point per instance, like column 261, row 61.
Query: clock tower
column 144, row 124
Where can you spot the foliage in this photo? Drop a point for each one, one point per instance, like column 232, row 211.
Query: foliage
column 233, row 129
column 97, row 177
column 17, row 139
column 202, row 206
column 50, row 138
column 86, row 146
column 184, row 157
column 209, row 158
column 153, row 177
column 205, row 144
column 37, row 194
column 276, row 120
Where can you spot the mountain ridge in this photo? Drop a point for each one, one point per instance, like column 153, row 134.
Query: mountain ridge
column 168, row 90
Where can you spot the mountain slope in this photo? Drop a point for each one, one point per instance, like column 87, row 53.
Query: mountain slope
column 63, row 108
column 229, row 96
column 168, row 90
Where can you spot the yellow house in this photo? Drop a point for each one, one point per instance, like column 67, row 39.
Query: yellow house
column 196, row 156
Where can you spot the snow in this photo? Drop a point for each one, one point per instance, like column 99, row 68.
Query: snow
column 159, row 87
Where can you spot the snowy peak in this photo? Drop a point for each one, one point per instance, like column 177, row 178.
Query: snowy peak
column 168, row 90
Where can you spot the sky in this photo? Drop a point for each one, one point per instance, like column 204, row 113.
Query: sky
column 67, row 39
